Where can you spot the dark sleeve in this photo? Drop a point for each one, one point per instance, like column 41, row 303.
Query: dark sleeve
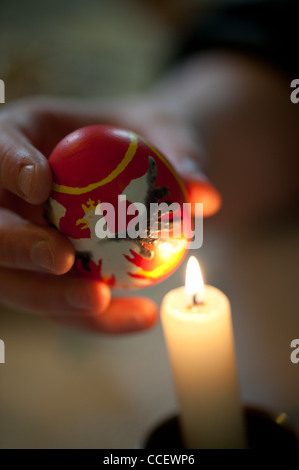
column 265, row 28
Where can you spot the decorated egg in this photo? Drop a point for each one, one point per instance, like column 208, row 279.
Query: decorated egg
column 120, row 203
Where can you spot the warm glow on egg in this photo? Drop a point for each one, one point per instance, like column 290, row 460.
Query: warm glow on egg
column 194, row 285
column 166, row 249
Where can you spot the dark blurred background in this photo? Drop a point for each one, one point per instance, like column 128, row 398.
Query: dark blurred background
column 93, row 48
column 61, row 388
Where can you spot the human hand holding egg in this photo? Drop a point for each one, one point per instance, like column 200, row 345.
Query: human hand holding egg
column 29, row 131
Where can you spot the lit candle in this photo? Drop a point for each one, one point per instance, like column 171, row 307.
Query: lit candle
column 198, row 331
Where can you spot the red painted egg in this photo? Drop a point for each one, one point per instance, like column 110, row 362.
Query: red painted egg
column 108, row 187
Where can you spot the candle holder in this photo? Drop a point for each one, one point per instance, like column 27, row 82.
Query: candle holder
column 264, row 430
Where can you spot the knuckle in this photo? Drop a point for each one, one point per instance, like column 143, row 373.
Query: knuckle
column 12, row 237
column 6, row 166
column 7, row 252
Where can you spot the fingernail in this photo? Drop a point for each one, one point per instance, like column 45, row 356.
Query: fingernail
column 134, row 321
column 26, row 177
column 138, row 321
column 79, row 297
column 42, row 256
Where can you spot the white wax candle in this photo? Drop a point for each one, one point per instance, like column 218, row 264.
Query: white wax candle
column 201, row 350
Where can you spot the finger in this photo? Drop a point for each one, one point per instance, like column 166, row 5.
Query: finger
column 126, row 315
column 23, row 169
column 179, row 144
column 76, row 302
column 123, row 315
column 202, row 191
column 187, row 160
column 199, row 188
column 24, row 245
column 62, row 297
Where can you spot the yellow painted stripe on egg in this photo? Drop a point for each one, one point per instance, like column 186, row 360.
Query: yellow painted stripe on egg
column 59, row 188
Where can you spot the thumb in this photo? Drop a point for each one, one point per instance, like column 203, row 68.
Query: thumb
column 199, row 188
column 180, row 146
column 24, row 171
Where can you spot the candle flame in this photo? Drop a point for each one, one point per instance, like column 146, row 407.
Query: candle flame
column 194, row 282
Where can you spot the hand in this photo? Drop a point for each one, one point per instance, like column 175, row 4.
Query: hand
column 32, row 254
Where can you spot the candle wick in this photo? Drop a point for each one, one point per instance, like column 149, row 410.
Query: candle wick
column 195, row 301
